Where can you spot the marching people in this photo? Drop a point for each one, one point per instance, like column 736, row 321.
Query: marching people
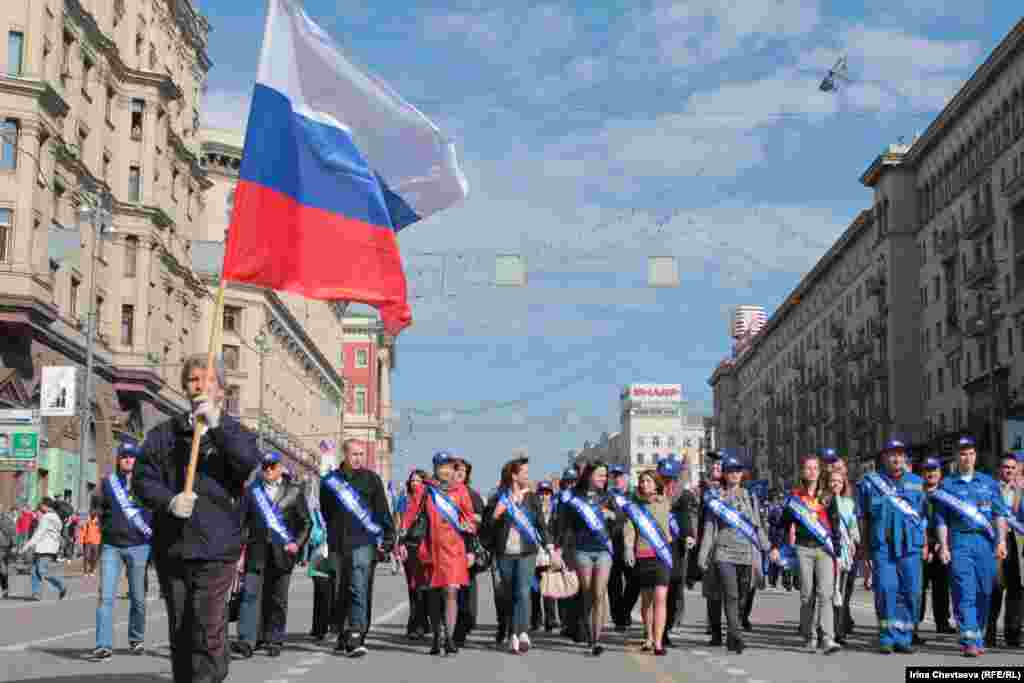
column 935, row 573
column 89, row 537
column 515, row 529
column 618, row 484
column 1008, row 578
column 570, row 609
column 466, row 620
column 439, row 524
column 731, row 549
column 971, row 525
column 544, row 609
column 891, row 505
column 277, row 526
column 709, row 488
column 8, row 542
column 197, row 536
column 683, row 531
column 848, row 537
column 649, row 554
column 354, row 503
column 126, row 533
column 811, row 529
column 46, row 543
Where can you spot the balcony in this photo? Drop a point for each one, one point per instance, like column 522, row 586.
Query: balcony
column 861, row 348
column 879, row 370
column 1014, row 190
column 819, row 381
column 978, row 325
column 949, row 246
column 980, row 273
column 876, row 285
column 878, row 328
column 878, row 414
column 978, row 223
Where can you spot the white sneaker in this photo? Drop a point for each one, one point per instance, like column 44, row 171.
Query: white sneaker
column 513, row 645
column 524, row 642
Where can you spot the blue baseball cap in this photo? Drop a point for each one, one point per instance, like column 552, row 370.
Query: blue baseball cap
column 732, row 464
column 931, row 463
column 271, row 458
column 1019, row 455
column 894, row 445
column 828, row 455
column 616, row 470
column 545, row 486
column 965, row 442
column 129, row 449
column 668, row 468
column 442, row 458
column 570, row 475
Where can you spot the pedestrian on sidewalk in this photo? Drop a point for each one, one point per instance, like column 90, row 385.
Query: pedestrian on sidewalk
column 45, row 543
column 89, row 538
column 197, row 536
column 7, row 540
column 126, row 534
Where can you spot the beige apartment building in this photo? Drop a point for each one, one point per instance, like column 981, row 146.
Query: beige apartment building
column 911, row 323
column 101, row 95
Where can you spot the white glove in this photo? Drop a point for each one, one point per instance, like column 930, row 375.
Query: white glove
column 690, row 542
column 630, row 557
column 182, row 505
column 205, row 409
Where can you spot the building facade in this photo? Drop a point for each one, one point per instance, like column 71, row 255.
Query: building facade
column 911, row 323
column 98, row 97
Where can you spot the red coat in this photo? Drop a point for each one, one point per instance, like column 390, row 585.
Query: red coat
column 442, row 554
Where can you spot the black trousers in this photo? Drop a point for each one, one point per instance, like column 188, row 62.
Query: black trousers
column 1008, row 590
column 4, row 570
column 271, row 585
column 323, row 606
column 617, row 582
column 734, row 584
column 196, row 593
column 936, row 576
column 467, row 602
column 748, row 605
column 677, row 590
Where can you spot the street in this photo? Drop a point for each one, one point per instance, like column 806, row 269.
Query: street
column 48, row 642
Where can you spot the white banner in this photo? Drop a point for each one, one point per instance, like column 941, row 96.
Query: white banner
column 57, row 391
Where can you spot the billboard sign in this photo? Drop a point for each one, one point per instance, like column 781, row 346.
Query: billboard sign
column 19, row 440
column 655, row 393
column 57, row 391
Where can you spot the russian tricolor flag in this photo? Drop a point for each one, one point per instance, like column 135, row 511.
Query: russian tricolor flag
column 335, row 164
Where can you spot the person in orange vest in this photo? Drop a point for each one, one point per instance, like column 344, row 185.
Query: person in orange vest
column 89, row 539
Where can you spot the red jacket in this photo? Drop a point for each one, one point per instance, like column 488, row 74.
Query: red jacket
column 24, row 524
column 442, row 554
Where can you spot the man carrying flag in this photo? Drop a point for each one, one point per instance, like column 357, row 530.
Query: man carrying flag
column 335, row 164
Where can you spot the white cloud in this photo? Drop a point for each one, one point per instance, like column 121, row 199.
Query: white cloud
column 228, row 109
column 503, row 35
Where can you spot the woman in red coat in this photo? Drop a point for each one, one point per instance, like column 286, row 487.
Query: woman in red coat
column 443, row 554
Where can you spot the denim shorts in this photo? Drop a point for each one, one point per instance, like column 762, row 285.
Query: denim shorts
column 601, row 559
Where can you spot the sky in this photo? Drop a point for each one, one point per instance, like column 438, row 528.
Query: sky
column 595, row 135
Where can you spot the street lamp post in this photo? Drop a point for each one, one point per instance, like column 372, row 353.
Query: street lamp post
column 262, row 346
column 100, row 221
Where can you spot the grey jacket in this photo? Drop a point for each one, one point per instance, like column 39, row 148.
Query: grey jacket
column 721, row 543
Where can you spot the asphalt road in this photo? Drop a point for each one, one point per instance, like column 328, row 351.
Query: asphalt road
column 48, row 642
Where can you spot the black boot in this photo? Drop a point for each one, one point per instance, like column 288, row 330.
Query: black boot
column 450, row 648
column 435, row 648
column 735, row 644
column 716, row 635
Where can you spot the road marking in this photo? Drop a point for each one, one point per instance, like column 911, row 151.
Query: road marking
column 46, row 603
column 21, row 647
column 702, row 653
column 297, row 671
column 736, row 672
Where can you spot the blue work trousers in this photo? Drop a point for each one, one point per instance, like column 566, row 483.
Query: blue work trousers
column 973, row 578
column 897, row 589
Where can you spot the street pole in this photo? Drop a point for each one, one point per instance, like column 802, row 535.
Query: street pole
column 993, row 344
column 85, row 421
column 262, row 345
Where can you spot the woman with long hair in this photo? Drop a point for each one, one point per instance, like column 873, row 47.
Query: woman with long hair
column 845, row 514
column 544, row 609
column 730, row 550
column 810, row 527
column 467, row 599
column 444, row 552
column 584, row 522
column 417, row 624
column 648, row 550
column 515, row 529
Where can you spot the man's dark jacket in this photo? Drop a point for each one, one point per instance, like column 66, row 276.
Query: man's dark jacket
column 263, row 547
column 227, row 455
column 115, row 527
column 344, row 531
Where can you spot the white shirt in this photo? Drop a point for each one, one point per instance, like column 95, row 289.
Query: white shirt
column 47, row 538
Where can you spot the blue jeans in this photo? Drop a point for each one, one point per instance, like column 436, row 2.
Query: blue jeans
column 516, row 573
column 134, row 558
column 41, row 571
column 354, row 584
column 599, row 559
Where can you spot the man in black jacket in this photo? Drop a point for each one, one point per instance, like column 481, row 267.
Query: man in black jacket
column 277, row 526
column 125, row 533
column 355, row 508
column 197, row 537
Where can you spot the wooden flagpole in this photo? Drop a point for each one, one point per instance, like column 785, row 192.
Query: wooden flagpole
column 216, row 332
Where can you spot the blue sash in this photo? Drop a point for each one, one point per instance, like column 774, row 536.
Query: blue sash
column 673, row 527
column 811, row 522
column 845, row 544
column 899, row 502
column 522, row 522
column 448, row 509
column 1015, row 525
column 128, row 508
column 350, row 500
column 271, row 515
column 732, row 518
column 787, row 557
column 649, row 529
column 971, row 514
column 593, row 520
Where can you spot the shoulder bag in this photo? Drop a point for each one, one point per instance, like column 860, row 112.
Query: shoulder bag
column 559, row 583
